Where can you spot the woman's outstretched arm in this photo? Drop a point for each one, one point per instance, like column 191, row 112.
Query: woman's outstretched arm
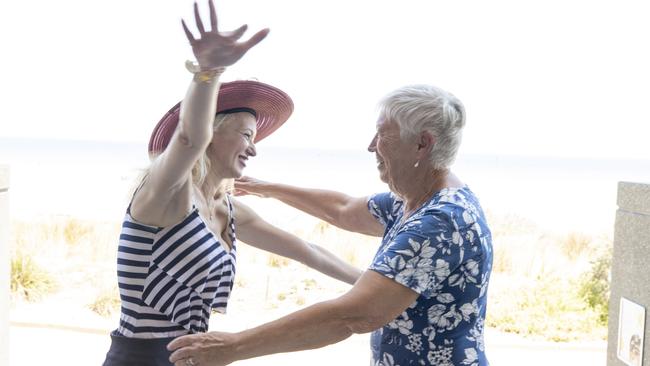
column 343, row 211
column 255, row 231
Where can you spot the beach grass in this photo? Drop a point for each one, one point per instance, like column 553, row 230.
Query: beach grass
column 29, row 281
column 551, row 286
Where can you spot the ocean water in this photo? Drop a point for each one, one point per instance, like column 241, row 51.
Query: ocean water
column 93, row 180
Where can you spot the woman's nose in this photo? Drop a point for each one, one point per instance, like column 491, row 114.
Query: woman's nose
column 252, row 150
column 373, row 144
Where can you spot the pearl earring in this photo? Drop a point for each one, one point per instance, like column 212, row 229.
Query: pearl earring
column 417, row 164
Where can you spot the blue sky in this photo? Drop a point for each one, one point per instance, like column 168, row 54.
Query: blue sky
column 552, row 78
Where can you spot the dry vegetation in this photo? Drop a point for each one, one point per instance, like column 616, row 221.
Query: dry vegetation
column 543, row 285
column 550, row 286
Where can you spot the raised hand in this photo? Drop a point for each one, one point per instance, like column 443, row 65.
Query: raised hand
column 214, row 49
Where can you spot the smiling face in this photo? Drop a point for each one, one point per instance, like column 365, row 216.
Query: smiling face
column 232, row 144
column 394, row 156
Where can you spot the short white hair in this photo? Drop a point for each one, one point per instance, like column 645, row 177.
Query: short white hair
column 418, row 108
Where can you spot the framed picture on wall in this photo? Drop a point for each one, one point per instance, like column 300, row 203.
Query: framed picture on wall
column 631, row 327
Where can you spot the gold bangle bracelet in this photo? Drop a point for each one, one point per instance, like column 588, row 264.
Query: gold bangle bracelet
column 203, row 76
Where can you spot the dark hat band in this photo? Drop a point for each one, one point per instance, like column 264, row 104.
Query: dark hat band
column 239, row 109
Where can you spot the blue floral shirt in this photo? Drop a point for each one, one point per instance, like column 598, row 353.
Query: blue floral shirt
column 444, row 253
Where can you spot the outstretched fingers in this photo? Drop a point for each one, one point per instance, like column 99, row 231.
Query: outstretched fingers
column 236, row 34
column 256, row 38
column 197, row 19
column 213, row 16
column 188, row 34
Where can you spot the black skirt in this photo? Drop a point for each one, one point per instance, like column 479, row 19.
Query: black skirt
column 126, row 351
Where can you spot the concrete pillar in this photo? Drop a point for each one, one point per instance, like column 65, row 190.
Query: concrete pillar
column 4, row 265
column 630, row 264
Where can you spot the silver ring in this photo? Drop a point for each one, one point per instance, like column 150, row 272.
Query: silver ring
column 190, row 362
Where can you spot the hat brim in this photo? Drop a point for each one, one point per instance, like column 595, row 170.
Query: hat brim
column 272, row 106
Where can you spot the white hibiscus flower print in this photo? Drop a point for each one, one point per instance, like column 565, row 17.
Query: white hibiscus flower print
column 415, row 247
column 456, row 280
column 386, row 360
column 477, row 335
column 442, row 243
column 417, row 278
column 416, row 272
column 484, row 284
column 468, row 310
column 468, row 217
column 435, row 313
column 472, row 267
column 471, row 357
column 441, row 269
column 376, row 212
column 442, row 319
column 445, row 298
column 403, row 324
column 397, row 263
column 468, row 274
column 476, row 228
column 456, row 238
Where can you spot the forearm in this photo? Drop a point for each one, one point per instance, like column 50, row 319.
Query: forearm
column 316, row 326
column 371, row 303
column 253, row 230
column 326, row 262
column 198, row 108
column 323, row 204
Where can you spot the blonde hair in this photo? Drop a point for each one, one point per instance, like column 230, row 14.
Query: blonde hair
column 202, row 166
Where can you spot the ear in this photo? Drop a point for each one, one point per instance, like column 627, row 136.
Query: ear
column 425, row 142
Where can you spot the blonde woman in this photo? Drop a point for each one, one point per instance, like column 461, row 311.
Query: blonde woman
column 177, row 251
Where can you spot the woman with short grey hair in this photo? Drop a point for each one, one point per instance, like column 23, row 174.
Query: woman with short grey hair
column 424, row 295
column 418, row 108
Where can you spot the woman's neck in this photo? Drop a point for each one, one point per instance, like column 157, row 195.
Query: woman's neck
column 419, row 191
column 212, row 187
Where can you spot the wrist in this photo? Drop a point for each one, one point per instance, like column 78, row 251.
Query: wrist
column 202, row 75
column 239, row 349
column 269, row 190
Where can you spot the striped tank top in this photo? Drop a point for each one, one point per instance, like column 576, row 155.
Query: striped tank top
column 171, row 278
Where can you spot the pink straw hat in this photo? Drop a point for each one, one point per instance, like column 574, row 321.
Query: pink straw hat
column 272, row 107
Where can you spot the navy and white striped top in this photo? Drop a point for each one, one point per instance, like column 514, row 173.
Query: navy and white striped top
column 170, row 278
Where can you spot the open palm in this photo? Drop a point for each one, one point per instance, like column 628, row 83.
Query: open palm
column 214, row 49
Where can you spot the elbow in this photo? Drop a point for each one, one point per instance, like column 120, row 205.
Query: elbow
column 198, row 142
column 344, row 221
column 353, row 276
column 194, row 137
column 340, row 216
column 365, row 324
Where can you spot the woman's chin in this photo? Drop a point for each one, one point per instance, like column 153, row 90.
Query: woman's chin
column 383, row 175
column 238, row 173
